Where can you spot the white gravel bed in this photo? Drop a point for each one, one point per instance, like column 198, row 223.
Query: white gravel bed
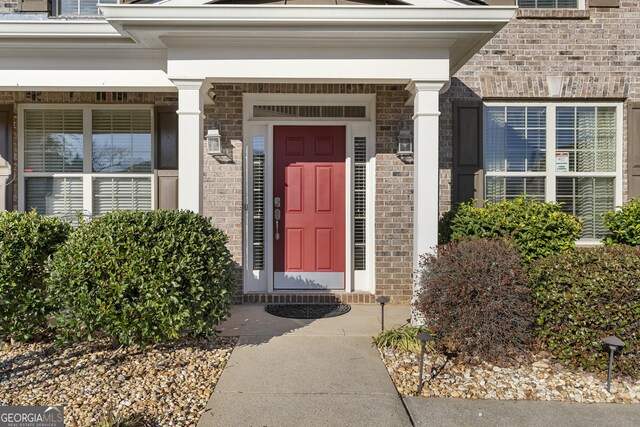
column 541, row 378
column 168, row 384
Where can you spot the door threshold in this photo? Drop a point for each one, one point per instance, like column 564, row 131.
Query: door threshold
column 309, row 297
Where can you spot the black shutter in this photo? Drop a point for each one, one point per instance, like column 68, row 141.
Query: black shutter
column 167, row 138
column 633, row 150
column 467, row 152
column 6, row 148
column 167, row 157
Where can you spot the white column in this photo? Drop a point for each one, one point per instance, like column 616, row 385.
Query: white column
column 426, row 175
column 190, row 143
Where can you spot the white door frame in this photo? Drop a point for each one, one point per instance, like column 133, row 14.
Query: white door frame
column 262, row 281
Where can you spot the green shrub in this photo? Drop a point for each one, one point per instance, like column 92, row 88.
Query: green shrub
column 585, row 295
column 537, row 229
column 402, row 339
column 474, row 297
column 26, row 241
column 142, row 277
column 623, row 225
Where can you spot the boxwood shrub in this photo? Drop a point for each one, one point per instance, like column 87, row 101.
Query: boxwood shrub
column 142, row 277
column 623, row 225
column 585, row 295
column 537, row 229
column 474, row 296
column 26, row 241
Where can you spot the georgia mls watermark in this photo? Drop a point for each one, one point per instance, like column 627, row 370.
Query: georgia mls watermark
column 32, row 416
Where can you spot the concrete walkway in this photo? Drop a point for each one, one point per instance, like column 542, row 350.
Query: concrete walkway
column 287, row 372
column 522, row 413
column 326, row 372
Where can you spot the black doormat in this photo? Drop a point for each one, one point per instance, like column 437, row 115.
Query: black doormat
column 307, row 311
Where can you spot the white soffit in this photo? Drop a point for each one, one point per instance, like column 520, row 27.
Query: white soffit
column 52, row 31
column 440, row 23
column 430, row 24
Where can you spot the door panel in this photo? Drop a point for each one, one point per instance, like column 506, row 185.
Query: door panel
column 309, row 179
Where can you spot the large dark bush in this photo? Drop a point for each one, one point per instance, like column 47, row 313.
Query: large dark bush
column 475, row 298
column 585, row 295
column 624, row 225
column 537, row 229
column 26, row 241
column 142, row 277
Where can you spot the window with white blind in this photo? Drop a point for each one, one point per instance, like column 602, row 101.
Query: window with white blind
column 550, row 4
column 258, row 197
column 86, row 160
column 556, row 152
column 80, row 7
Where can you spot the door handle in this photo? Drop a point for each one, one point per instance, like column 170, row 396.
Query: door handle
column 276, row 216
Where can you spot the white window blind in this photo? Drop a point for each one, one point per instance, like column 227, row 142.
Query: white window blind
column 515, row 139
column 57, row 180
column 588, row 136
column 579, row 143
column 360, row 203
column 53, row 141
column 548, row 4
column 111, row 194
column 81, row 7
column 587, row 198
column 121, row 141
column 258, row 202
column 54, row 196
column 500, row 188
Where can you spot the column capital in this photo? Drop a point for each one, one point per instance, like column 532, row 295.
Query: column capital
column 187, row 83
column 416, row 86
column 190, row 96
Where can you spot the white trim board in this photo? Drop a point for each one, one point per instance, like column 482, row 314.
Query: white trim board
column 262, row 281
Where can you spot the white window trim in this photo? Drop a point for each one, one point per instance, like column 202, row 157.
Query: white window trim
column 262, row 281
column 550, row 173
column 87, row 177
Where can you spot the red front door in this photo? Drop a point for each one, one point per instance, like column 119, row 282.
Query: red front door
column 309, row 186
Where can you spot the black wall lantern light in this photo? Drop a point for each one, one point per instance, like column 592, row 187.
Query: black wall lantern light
column 614, row 343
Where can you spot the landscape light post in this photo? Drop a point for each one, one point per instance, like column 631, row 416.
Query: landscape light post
column 423, row 337
column 614, row 343
column 382, row 300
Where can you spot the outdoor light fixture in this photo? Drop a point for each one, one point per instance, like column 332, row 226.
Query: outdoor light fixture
column 212, row 94
column 382, row 300
column 405, row 139
column 423, row 337
column 214, row 141
column 614, row 343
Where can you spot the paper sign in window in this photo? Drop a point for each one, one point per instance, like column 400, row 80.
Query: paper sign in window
column 562, row 161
